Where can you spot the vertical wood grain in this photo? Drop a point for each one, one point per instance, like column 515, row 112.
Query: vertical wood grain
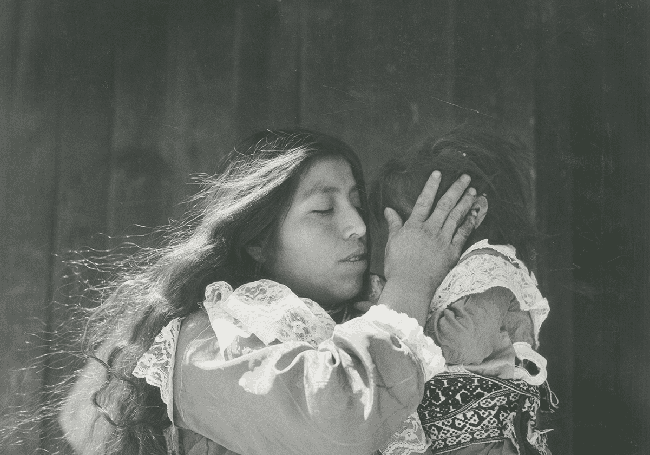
column 555, row 215
column 27, row 159
column 83, row 44
column 378, row 74
column 495, row 49
column 140, row 193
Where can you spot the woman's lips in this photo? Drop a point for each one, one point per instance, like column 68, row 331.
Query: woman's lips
column 357, row 256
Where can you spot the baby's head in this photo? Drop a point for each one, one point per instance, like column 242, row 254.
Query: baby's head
column 500, row 172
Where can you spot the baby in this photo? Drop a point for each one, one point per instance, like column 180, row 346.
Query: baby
column 487, row 313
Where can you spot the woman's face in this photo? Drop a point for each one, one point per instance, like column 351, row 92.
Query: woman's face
column 320, row 249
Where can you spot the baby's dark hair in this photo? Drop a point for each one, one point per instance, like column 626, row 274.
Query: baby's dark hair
column 499, row 168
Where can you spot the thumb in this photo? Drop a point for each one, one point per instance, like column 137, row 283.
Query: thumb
column 394, row 221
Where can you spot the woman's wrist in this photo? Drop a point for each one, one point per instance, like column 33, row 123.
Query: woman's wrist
column 409, row 296
column 411, row 333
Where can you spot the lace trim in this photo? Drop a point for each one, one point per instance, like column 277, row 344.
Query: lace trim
column 226, row 328
column 411, row 438
column 267, row 309
column 156, row 366
column 480, row 272
column 412, row 335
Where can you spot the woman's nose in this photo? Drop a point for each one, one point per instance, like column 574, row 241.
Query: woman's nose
column 353, row 224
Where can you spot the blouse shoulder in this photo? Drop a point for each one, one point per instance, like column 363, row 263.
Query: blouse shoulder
column 269, row 310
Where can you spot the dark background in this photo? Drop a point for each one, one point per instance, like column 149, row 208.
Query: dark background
column 107, row 107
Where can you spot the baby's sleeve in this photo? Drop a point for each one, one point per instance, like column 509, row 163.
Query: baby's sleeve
column 519, row 325
column 469, row 330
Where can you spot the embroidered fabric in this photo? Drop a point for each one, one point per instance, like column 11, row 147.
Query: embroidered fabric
column 480, row 272
column 156, row 366
column 461, row 409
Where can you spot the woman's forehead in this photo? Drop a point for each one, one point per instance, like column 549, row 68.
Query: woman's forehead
column 326, row 175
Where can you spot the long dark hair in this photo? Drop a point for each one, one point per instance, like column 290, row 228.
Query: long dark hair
column 500, row 169
column 241, row 205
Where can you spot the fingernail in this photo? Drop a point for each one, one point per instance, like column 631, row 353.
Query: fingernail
column 472, row 192
column 436, row 174
column 466, row 178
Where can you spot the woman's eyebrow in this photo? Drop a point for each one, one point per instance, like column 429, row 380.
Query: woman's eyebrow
column 327, row 189
column 320, row 189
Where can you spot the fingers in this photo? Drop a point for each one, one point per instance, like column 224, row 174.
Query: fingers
column 394, row 221
column 458, row 213
column 464, row 231
column 447, row 203
column 422, row 207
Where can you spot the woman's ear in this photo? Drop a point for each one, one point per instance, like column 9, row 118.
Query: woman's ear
column 257, row 253
column 479, row 209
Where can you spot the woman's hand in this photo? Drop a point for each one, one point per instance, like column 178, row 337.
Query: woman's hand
column 421, row 251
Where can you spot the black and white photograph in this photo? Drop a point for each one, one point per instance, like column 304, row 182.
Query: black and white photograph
column 324, row 227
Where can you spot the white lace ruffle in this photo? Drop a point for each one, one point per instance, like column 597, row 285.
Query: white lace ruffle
column 480, row 272
column 226, row 328
column 156, row 366
column 524, row 351
column 412, row 335
column 409, row 439
column 267, row 309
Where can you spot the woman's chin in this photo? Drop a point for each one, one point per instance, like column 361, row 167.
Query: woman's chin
column 347, row 290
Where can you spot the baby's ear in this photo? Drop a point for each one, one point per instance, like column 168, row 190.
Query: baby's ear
column 479, row 209
column 257, row 253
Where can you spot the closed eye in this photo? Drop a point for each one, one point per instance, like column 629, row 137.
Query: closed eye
column 323, row 212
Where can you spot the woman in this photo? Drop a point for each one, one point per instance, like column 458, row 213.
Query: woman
column 289, row 206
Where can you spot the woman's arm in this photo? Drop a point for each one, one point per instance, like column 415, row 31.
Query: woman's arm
column 348, row 396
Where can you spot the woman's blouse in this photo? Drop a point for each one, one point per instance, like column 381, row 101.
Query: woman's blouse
column 261, row 371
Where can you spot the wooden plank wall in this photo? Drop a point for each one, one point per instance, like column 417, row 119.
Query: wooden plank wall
column 106, row 108
column 28, row 159
column 605, row 48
